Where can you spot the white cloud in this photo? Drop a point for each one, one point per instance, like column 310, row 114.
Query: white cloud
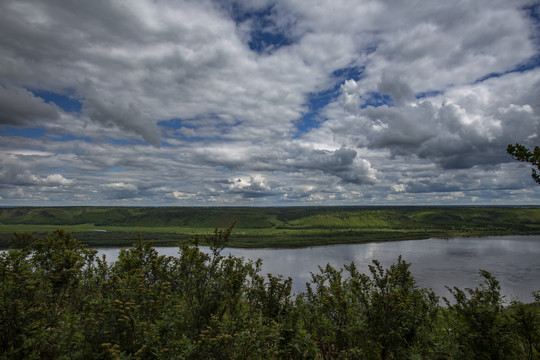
column 253, row 183
column 179, row 195
column 57, row 179
column 398, row 187
column 465, row 126
column 187, row 132
column 120, row 186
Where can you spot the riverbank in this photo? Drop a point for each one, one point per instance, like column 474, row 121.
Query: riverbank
column 257, row 239
column 270, row 227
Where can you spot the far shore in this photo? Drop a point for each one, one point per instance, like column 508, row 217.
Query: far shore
column 271, row 227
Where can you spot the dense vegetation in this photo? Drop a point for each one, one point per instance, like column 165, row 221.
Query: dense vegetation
column 59, row 301
column 270, row 227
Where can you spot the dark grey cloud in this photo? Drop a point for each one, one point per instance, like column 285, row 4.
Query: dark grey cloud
column 342, row 163
column 392, row 85
column 125, row 116
column 13, row 174
column 21, row 108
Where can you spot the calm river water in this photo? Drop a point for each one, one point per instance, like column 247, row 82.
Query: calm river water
column 513, row 260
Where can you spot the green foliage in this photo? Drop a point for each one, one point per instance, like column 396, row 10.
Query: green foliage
column 21, row 240
column 522, row 153
column 525, row 323
column 267, row 227
column 59, row 301
column 480, row 327
column 384, row 316
column 42, row 289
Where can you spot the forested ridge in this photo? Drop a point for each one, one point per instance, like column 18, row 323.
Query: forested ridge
column 60, row 301
column 270, row 226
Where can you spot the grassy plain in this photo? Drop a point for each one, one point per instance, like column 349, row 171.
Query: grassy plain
column 268, row 226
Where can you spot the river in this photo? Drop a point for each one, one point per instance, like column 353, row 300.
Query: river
column 435, row 263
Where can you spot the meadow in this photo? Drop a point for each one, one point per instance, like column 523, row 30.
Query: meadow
column 268, row 226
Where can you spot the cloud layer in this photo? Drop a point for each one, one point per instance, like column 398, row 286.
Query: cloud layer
column 268, row 102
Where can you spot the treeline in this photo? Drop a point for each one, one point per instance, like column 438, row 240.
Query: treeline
column 58, row 300
column 199, row 217
column 317, row 217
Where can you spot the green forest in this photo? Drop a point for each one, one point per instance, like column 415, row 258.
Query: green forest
column 58, row 300
column 269, row 226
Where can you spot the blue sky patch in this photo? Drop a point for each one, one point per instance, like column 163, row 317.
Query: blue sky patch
column 429, row 93
column 377, row 99
column 171, row 123
column 69, row 137
column 533, row 11
column 348, row 73
column 265, row 37
column 64, row 102
column 36, row 133
column 116, row 169
column 531, row 63
column 312, row 118
column 31, row 133
column 266, row 42
column 317, row 101
column 177, row 124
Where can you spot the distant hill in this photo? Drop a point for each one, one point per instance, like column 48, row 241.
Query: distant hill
column 273, row 226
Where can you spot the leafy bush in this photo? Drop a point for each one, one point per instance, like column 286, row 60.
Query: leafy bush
column 58, row 300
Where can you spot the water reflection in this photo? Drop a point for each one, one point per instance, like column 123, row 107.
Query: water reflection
column 514, row 260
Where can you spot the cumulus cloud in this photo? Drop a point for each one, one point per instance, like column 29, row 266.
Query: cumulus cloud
column 466, row 126
column 342, row 163
column 57, row 179
column 392, row 85
column 256, row 182
column 179, row 195
column 16, row 176
column 250, row 186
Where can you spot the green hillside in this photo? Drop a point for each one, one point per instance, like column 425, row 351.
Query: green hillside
column 269, row 226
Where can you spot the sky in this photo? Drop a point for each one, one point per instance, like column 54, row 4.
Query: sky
column 267, row 102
